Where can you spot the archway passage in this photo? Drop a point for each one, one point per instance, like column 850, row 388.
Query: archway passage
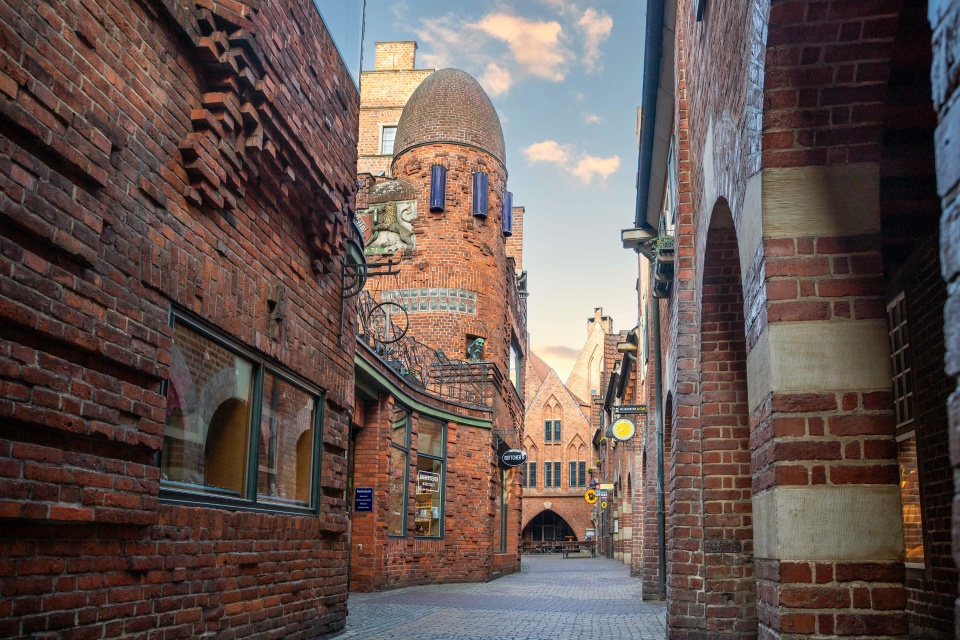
column 548, row 526
column 730, row 585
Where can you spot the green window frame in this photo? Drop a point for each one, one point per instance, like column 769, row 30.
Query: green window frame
column 240, row 431
column 556, row 474
column 547, row 430
column 582, row 473
column 572, row 477
column 430, row 496
column 556, row 431
column 533, row 474
column 547, row 475
column 398, row 473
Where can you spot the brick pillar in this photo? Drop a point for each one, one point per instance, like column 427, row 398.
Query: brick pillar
column 828, row 537
column 945, row 21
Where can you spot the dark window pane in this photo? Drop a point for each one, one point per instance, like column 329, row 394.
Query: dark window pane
column 533, row 475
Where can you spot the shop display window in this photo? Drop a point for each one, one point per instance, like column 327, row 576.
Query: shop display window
column 428, row 508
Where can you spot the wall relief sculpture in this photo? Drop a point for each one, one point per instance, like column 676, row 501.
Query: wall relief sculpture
column 388, row 227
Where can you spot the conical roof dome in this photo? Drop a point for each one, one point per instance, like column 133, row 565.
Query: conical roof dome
column 450, row 106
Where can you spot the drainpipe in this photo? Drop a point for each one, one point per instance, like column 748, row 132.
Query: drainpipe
column 658, row 398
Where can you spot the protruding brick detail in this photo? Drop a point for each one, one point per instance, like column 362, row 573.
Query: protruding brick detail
column 102, row 231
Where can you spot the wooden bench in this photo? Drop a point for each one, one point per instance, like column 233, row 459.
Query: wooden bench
column 575, row 546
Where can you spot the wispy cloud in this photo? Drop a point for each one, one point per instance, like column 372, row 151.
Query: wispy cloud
column 535, row 45
column 502, row 48
column 592, row 118
column 558, row 351
column 580, row 165
column 596, row 28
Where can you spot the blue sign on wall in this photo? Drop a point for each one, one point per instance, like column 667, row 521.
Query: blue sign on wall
column 363, row 498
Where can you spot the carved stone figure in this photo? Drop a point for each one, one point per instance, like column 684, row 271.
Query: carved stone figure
column 392, row 230
column 475, row 350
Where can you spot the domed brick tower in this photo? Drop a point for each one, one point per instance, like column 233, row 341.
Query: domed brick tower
column 454, row 272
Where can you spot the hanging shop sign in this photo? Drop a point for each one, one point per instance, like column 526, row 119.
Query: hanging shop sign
column 603, row 505
column 363, row 498
column 623, row 429
column 603, row 494
column 428, row 482
column 513, row 458
column 590, row 496
column 630, row 409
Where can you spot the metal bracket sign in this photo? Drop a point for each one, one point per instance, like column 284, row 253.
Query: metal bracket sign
column 631, row 409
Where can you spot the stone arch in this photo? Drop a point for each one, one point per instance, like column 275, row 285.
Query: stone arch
column 566, row 513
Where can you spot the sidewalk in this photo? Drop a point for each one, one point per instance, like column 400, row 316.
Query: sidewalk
column 552, row 599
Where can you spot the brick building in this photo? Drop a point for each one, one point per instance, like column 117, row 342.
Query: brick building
column 176, row 190
column 797, row 202
column 386, row 89
column 560, row 458
column 440, row 361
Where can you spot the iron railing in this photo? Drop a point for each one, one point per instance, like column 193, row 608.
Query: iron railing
column 383, row 327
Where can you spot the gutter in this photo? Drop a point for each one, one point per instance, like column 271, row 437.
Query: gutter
column 653, row 51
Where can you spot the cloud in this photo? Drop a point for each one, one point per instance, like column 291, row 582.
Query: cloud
column 590, row 166
column 596, row 28
column 592, row 118
column 559, row 351
column 535, row 45
column 583, row 167
column 548, row 151
column 495, row 80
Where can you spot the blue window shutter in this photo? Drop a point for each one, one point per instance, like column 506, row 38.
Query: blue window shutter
column 506, row 219
column 480, row 185
column 438, row 187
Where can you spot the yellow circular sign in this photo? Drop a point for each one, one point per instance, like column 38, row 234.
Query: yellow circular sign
column 603, row 505
column 623, row 429
column 590, row 496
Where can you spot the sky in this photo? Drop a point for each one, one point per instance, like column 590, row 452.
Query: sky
column 565, row 78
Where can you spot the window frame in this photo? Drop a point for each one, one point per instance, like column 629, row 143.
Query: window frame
column 557, row 432
column 442, row 459
column 581, row 473
column 405, row 500
column 384, row 127
column 548, row 430
column 533, row 474
column 185, row 494
column 547, row 475
column 557, row 474
column 572, row 473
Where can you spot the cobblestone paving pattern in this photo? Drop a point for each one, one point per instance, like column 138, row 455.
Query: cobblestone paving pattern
column 551, row 599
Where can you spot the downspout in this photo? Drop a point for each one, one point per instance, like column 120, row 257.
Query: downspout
column 658, row 399
column 653, row 50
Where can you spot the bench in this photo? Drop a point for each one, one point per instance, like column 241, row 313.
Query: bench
column 575, row 546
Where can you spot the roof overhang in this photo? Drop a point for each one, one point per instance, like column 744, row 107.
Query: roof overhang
column 656, row 111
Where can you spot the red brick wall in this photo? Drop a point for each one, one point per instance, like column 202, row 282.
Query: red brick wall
column 731, row 588
column 118, row 203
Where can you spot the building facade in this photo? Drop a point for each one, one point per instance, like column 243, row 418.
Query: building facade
column 447, row 330
column 560, row 460
column 177, row 191
column 796, row 196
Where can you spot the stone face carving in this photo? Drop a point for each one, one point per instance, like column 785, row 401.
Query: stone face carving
column 475, row 350
column 391, row 226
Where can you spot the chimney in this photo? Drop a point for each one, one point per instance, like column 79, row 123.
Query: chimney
column 606, row 322
column 395, row 56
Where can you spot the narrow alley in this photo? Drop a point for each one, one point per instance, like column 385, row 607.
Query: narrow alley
column 551, row 598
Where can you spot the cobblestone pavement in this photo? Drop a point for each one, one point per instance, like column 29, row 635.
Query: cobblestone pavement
column 551, row 599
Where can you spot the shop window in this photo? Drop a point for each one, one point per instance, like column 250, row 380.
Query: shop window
column 398, row 472
column 431, row 446
column 910, row 501
column 209, row 456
